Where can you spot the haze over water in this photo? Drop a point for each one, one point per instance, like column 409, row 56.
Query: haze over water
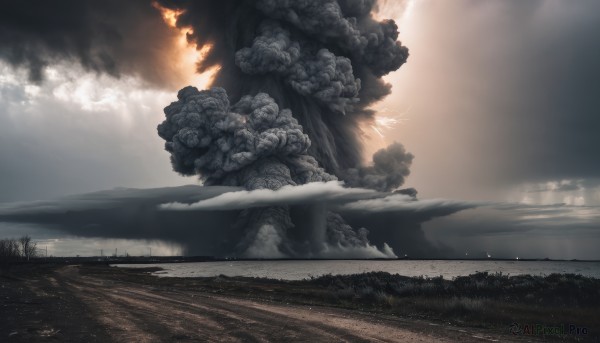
column 301, row 269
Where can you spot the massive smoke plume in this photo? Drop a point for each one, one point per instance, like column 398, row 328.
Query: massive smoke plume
column 294, row 84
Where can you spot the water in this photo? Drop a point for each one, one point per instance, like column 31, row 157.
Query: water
column 297, row 270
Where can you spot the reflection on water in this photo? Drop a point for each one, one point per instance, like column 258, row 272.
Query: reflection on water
column 297, row 270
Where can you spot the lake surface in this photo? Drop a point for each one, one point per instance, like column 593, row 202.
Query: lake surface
column 297, row 270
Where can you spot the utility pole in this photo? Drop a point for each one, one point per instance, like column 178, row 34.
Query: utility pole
column 150, row 251
column 116, row 252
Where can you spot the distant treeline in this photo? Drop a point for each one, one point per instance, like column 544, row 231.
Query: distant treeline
column 12, row 250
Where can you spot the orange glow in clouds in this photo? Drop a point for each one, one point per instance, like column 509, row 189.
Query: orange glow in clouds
column 188, row 54
column 169, row 15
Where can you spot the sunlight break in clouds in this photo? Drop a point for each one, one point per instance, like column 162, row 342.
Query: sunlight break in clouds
column 187, row 55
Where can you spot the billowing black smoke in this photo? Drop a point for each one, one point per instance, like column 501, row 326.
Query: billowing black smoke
column 251, row 143
column 294, row 84
column 390, row 167
column 320, row 59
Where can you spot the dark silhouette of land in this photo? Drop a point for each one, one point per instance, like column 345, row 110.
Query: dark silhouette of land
column 94, row 302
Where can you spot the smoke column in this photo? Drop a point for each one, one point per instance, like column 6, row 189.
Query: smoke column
column 294, row 83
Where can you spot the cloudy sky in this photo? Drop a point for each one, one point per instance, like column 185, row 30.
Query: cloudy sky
column 499, row 103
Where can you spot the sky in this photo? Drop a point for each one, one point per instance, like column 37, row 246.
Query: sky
column 498, row 103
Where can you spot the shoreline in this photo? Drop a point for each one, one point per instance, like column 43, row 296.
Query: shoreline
column 186, row 259
column 303, row 269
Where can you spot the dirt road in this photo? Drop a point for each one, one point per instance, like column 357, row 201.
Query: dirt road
column 132, row 312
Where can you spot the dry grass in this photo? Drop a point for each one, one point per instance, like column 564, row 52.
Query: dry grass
column 482, row 299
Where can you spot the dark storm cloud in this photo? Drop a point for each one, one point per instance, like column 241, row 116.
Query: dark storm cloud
column 393, row 221
column 411, row 192
column 518, row 230
column 389, row 221
column 223, row 229
column 134, row 214
column 401, row 203
column 554, row 96
column 397, row 220
column 535, row 64
column 447, row 228
column 293, row 73
column 113, row 37
column 390, row 166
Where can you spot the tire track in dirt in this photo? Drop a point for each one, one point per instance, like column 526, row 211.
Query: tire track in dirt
column 227, row 319
column 137, row 312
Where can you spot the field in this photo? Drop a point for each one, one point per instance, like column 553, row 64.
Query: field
column 98, row 303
